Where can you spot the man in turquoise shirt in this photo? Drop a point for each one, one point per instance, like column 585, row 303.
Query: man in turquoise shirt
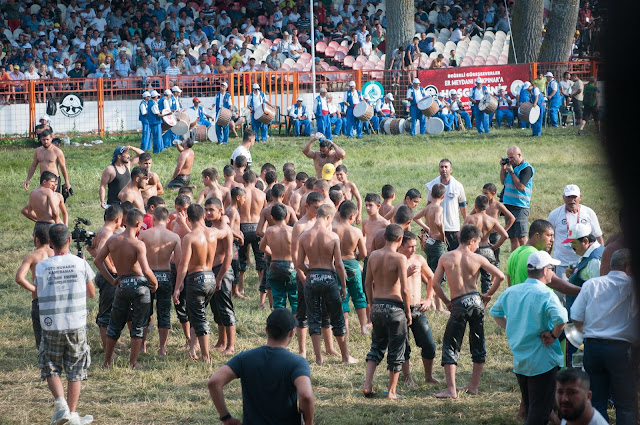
column 534, row 318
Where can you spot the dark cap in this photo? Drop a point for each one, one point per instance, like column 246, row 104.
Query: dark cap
column 282, row 319
column 118, row 151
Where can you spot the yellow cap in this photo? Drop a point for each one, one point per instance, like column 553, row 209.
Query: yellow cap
column 328, row 170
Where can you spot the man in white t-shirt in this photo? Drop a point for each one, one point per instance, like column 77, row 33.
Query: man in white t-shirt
column 63, row 284
column 563, row 218
column 454, row 199
column 248, row 140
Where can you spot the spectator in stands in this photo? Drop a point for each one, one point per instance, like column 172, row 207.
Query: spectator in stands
column 444, row 18
column 271, row 30
column 5, row 87
column 122, row 67
column 102, row 72
column 173, row 69
column 378, row 35
column 295, row 49
column 225, row 67
column 77, row 71
column 90, row 59
column 183, row 65
column 354, row 47
column 426, row 44
column 438, row 62
column 144, row 71
column 366, row 48
column 421, row 20
column 273, row 61
column 488, row 18
column 472, row 28
column 457, row 23
column 502, row 24
column 454, row 61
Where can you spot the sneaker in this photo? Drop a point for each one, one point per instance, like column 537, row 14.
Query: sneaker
column 60, row 417
column 75, row 419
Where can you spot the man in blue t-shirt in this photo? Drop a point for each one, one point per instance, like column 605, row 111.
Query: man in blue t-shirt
column 273, row 379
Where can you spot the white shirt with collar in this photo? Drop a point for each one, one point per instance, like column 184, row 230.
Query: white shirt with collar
column 607, row 305
column 454, row 196
column 559, row 218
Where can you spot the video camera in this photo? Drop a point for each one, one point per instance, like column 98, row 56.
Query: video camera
column 81, row 236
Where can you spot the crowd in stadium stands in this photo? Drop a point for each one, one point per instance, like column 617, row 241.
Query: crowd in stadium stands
column 77, row 38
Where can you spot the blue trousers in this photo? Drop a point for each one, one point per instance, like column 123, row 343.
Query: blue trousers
column 145, row 143
column 501, row 113
column 353, row 122
column 536, row 129
column 416, row 114
column 156, row 137
column 262, row 131
column 222, row 133
column 297, row 124
column 610, row 366
column 324, row 125
column 482, row 120
column 447, row 120
column 344, row 125
column 465, row 116
column 167, row 138
column 337, row 123
column 554, row 111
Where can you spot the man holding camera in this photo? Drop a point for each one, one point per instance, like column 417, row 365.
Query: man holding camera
column 517, row 176
column 329, row 153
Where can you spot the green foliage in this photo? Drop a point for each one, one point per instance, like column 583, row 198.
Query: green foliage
column 173, row 389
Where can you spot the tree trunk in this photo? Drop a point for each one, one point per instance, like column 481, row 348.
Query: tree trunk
column 558, row 40
column 400, row 26
column 526, row 31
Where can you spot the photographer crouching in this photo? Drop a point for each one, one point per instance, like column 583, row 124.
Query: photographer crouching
column 516, row 175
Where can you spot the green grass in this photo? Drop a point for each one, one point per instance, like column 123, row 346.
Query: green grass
column 173, row 389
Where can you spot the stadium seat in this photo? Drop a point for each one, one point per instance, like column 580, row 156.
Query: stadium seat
column 339, row 56
column 330, row 52
column 35, row 8
column 8, row 34
column 321, row 47
column 349, row 61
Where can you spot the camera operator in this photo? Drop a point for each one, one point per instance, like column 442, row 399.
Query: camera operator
column 517, row 176
column 329, row 152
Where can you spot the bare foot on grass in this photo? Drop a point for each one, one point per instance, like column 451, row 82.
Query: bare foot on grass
column 431, row 380
column 331, row 352
column 228, row 352
column 467, row 389
column 349, row 360
column 446, row 394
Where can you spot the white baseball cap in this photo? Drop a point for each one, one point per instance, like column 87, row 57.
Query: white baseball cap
column 527, row 84
column 256, row 86
column 389, row 96
column 352, row 83
column 548, row 74
column 300, row 99
column 571, row 190
column 146, row 94
column 45, row 117
column 176, row 89
column 478, row 80
column 416, row 81
column 577, row 231
column 155, row 93
column 539, row 260
column 167, row 92
column 224, row 83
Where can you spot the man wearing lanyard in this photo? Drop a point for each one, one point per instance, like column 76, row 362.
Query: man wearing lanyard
column 352, row 97
column 223, row 100
column 256, row 99
column 517, row 176
column 475, row 96
column 321, row 108
column 143, row 116
column 555, row 98
column 563, row 218
column 415, row 95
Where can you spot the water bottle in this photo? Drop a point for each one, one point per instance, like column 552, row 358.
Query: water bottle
column 577, row 359
column 67, row 142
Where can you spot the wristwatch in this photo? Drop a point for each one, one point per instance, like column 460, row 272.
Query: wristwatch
column 552, row 335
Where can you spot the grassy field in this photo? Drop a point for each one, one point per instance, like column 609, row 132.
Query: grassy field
column 173, row 389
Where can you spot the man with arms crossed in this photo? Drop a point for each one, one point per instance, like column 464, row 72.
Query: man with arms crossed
column 534, row 318
column 322, row 247
column 418, row 271
column 462, row 267
column 390, row 300
column 195, row 274
column 133, row 292
column 63, row 283
column 161, row 244
column 276, row 384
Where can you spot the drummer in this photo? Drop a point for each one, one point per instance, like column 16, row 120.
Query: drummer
column 155, row 122
column 537, row 98
column 143, row 116
column 524, row 97
column 164, row 104
column 321, row 109
column 374, row 120
column 202, row 113
column 476, row 94
column 255, row 101
column 414, row 95
column 443, row 112
column 457, row 108
column 384, row 107
column 222, row 100
column 298, row 114
column 335, row 118
column 504, row 108
column 351, row 98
